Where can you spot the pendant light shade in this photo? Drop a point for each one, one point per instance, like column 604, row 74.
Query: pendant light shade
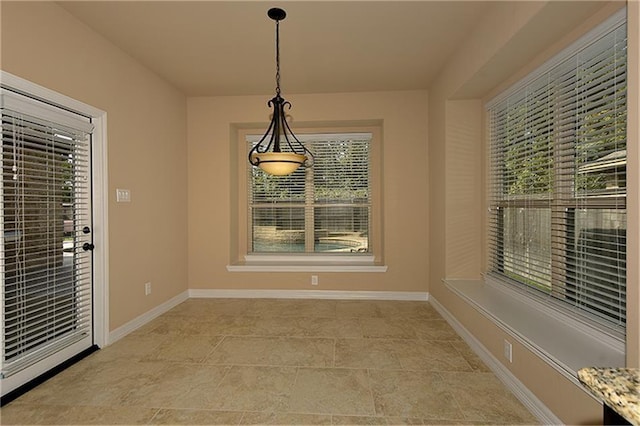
column 279, row 152
column 278, row 163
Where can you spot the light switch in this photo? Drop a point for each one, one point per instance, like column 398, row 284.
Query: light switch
column 123, row 196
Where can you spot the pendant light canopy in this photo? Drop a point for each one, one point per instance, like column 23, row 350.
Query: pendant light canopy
column 279, row 152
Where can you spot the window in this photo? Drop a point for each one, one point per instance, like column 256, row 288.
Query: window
column 557, row 193
column 323, row 209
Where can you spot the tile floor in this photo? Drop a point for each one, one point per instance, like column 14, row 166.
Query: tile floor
column 266, row 361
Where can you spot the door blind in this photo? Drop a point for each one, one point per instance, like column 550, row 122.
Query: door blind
column 45, row 195
column 558, row 180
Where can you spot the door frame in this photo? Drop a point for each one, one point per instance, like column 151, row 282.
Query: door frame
column 100, row 191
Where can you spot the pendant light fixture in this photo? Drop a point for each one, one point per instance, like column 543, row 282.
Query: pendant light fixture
column 279, row 152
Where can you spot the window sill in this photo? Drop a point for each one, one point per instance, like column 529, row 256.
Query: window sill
column 306, row 263
column 561, row 341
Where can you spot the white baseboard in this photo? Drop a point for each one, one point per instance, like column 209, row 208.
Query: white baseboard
column 309, row 294
column 528, row 399
column 141, row 320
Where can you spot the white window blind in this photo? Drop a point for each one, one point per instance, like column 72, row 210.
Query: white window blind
column 325, row 208
column 558, row 179
column 44, row 191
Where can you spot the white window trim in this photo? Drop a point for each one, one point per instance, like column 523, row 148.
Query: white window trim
column 307, row 263
column 310, row 262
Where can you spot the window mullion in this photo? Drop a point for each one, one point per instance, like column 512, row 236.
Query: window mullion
column 563, row 189
column 309, row 199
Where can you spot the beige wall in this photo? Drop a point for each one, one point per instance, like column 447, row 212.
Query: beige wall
column 463, row 130
column 146, row 134
column 211, row 210
column 507, row 44
column 432, row 174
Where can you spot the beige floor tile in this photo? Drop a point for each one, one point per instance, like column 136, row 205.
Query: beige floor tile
column 131, row 347
column 170, row 325
column 339, row 391
column 429, row 355
column 433, row 329
column 293, row 308
column 308, row 327
column 387, row 328
column 277, row 326
column 438, row 422
column 366, row 353
column 330, row 327
column 270, row 418
column 474, row 360
column 276, row 351
column 200, row 326
column 404, row 421
column 432, row 312
column 248, row 388
column 210, row 308
column 178, row 386
column 386, row 309
column 231, row 325
column 28, row 414
column 185, row 349
column 91, row 415
column 482, row 397
column 412, row 394
column 407, row 309
column 359, row 420
column 167, row 416
column 74, row 415
column 357, row 309
column 98, row 384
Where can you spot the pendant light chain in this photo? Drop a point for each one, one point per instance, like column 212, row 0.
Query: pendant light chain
column 277, row 57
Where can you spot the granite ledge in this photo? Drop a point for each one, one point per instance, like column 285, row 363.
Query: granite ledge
column 618, row 388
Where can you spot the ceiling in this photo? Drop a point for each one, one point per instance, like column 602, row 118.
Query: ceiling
column 217, row 48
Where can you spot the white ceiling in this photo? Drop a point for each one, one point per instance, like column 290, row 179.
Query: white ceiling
column 218, row 48
column 208, row 48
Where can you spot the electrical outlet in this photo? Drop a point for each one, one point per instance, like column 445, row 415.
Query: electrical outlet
column 508, row 351
column 123, row 195
column 147, row 289
column 314, row 280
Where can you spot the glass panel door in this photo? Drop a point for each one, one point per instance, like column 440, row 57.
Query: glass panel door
column 46, row 259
